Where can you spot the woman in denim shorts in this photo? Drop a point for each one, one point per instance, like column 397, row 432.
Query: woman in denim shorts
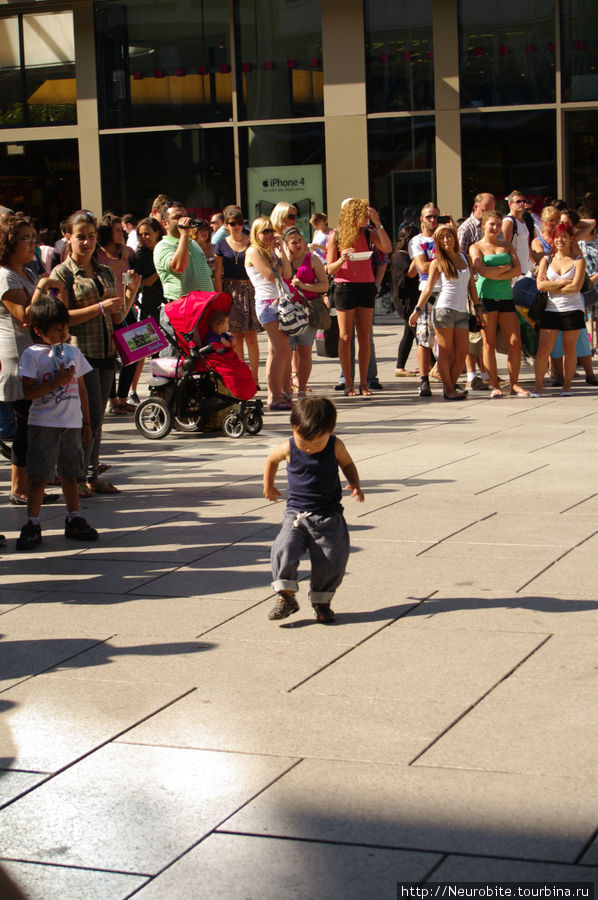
column 264, row 257
column 451, row 310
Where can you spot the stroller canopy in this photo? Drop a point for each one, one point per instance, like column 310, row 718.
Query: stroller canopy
column 192, row 313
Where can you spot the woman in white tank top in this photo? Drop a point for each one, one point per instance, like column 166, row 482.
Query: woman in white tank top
column 451, row 311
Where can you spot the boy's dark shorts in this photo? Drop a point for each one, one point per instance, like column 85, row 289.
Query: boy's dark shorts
column 52, row 449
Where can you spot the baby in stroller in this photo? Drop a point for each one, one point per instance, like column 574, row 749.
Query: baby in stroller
column 188, row 389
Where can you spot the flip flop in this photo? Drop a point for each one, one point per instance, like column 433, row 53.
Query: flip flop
column 84, row 491
column 495, row 394
column 102, row 487
column 17, row 500
column 350, row 393
column 280, row 406
column 364, row 391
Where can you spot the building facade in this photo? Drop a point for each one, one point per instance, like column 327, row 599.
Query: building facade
column 105, row 104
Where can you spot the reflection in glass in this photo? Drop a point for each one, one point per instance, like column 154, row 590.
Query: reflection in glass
column 582, row 128
column 38, row 86
column 163, row 63
column 507, row 52
column 42, row 178
column 283, row 163
column 506, row 151
column 194, row 166
column 279, row 58
column 579, row 49
column 399, row 55
column 402, row 163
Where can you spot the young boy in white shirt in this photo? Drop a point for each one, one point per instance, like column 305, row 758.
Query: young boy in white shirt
column 52, row 373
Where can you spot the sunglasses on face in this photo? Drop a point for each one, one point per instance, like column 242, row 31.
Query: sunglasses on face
column 235, row 222
column 430, row 217
column 268, row 231
column 292, row 216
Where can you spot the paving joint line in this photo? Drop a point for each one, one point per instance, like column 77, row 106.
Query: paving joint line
column 472, row 706
column 60, row 662
column 555, row 561
column 99, row 746
column 510, row 480
column 579, row 503
column 459, row 531
column 214, row 830
column 554, row 443
column 359, row 643
column 55, row 865
column 483, row 437
column 386, row 506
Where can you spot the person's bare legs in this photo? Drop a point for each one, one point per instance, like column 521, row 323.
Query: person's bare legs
column 489, row 349
column 444, row 338
column 509, row 323
column 278, row 362
column 345, row 320
column 460, row 347
column 363, row 323
column 253, row 353
column 304, row 364
column 569, row 357
column 545, row 344
column 19, row 483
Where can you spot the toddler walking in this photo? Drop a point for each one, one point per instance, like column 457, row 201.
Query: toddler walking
column 52, row 374
column 313, row 520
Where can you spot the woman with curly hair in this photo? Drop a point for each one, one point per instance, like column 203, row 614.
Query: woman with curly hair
column 355, row 290
column 19, row 289
column 264, row 258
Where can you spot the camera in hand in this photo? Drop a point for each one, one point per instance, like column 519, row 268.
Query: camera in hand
column 443, row 220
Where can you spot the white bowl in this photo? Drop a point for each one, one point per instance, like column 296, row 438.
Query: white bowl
column 358, row 257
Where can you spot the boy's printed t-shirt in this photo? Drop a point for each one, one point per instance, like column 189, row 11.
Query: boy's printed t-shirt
column 61, row 408
column 420, row 245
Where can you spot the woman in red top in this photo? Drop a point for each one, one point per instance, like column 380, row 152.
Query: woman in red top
column 354, row 286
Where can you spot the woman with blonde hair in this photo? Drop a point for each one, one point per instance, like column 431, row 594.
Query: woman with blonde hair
column 451, row 311
column 264, row 259
column 496, row 263
column 283, row 216
column 542, row 245
column 348, row 258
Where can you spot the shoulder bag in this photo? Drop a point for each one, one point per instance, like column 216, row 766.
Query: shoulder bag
column 293, row 318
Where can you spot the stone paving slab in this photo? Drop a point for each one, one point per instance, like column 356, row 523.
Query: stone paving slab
column 450, row 665
column 79, row 571
column 13, row 784
column 390, row 731
column 486, row 869
column 240, row 867
column 133, row 809
column 87, row 615
column 490, row 814
column 23, row 654
column 55, row 721
column 56, row 882
column 488, row 611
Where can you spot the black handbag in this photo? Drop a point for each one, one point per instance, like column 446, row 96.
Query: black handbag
column 538, row 306
column 327, row 341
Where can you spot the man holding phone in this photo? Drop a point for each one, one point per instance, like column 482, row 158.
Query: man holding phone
column 422, row 251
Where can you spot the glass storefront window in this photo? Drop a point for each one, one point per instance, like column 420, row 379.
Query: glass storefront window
column 579, row 49
column 582, row 156
column 283, row 163
column 507, row 52
column 402, row 162
column 194, row 166
column 162, row 62
column 399, row 55
column 279, row 58
column 506, row 151
column 38, row 85
column 41, row 178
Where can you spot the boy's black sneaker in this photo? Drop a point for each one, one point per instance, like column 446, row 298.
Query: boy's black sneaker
column 30, row 537
column 324, row 613
column 285, row 606
column 424, row 389
column 79, row 530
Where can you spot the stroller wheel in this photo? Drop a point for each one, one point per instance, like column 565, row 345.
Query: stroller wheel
column 186, row 424
column 254, row 422
column 233, row 425
column 153, row 418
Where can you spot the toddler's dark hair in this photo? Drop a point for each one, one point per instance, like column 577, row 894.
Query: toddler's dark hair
column 46, row 312
column 217, row 318
column 312, row 416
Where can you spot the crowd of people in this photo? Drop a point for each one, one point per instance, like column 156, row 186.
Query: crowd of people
column 452, row 282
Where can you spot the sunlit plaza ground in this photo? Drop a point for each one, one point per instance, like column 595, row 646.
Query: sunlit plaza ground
column 159, row 737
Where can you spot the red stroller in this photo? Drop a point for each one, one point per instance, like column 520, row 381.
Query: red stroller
column 187, row 388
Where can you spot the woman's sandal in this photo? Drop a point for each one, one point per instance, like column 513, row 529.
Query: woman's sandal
column 495, row 394
column 102, row 487
column 364, row 391
column 350, row 392
column 84, row 492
